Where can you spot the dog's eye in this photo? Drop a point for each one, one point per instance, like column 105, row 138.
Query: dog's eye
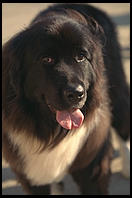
column 80, row 58
column 48, row 60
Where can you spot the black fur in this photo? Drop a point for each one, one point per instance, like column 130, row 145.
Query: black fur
column 63, row 47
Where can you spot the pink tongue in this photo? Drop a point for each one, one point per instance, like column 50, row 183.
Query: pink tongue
column 69, row 120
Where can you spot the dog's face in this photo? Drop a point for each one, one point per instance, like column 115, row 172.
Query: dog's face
column 59, row 68
column 58, row 65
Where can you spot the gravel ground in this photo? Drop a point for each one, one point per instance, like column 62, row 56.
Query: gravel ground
column 16, row 16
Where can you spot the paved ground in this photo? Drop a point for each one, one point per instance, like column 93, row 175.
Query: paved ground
column 16, row 16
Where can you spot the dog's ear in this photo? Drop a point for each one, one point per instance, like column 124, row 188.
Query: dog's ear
column 76, row 15
column 12, row 66
column 96, row 29
column 89, row 21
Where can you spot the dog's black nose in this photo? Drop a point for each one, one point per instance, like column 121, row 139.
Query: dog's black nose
column 74, row 94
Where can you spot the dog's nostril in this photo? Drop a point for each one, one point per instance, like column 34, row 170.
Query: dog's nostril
column 74, row 94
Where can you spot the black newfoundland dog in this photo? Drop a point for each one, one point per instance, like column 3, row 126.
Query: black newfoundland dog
column 63, row 88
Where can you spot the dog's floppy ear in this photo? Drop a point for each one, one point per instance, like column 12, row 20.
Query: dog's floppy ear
column 86, row 20
column 13, row 54
column 76, row 15
column 10, row 65
column 89, row 21
column 12, row 60
column 96, row 29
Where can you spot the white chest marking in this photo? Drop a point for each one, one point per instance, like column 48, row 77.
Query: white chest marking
column 52, row 165
column 49, row 165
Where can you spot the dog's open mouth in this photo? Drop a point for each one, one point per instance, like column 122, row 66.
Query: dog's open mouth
column 70, row 119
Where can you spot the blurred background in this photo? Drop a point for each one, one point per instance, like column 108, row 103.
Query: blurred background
column 15, row 17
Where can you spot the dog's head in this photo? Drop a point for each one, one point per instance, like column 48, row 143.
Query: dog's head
column 57, row 59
